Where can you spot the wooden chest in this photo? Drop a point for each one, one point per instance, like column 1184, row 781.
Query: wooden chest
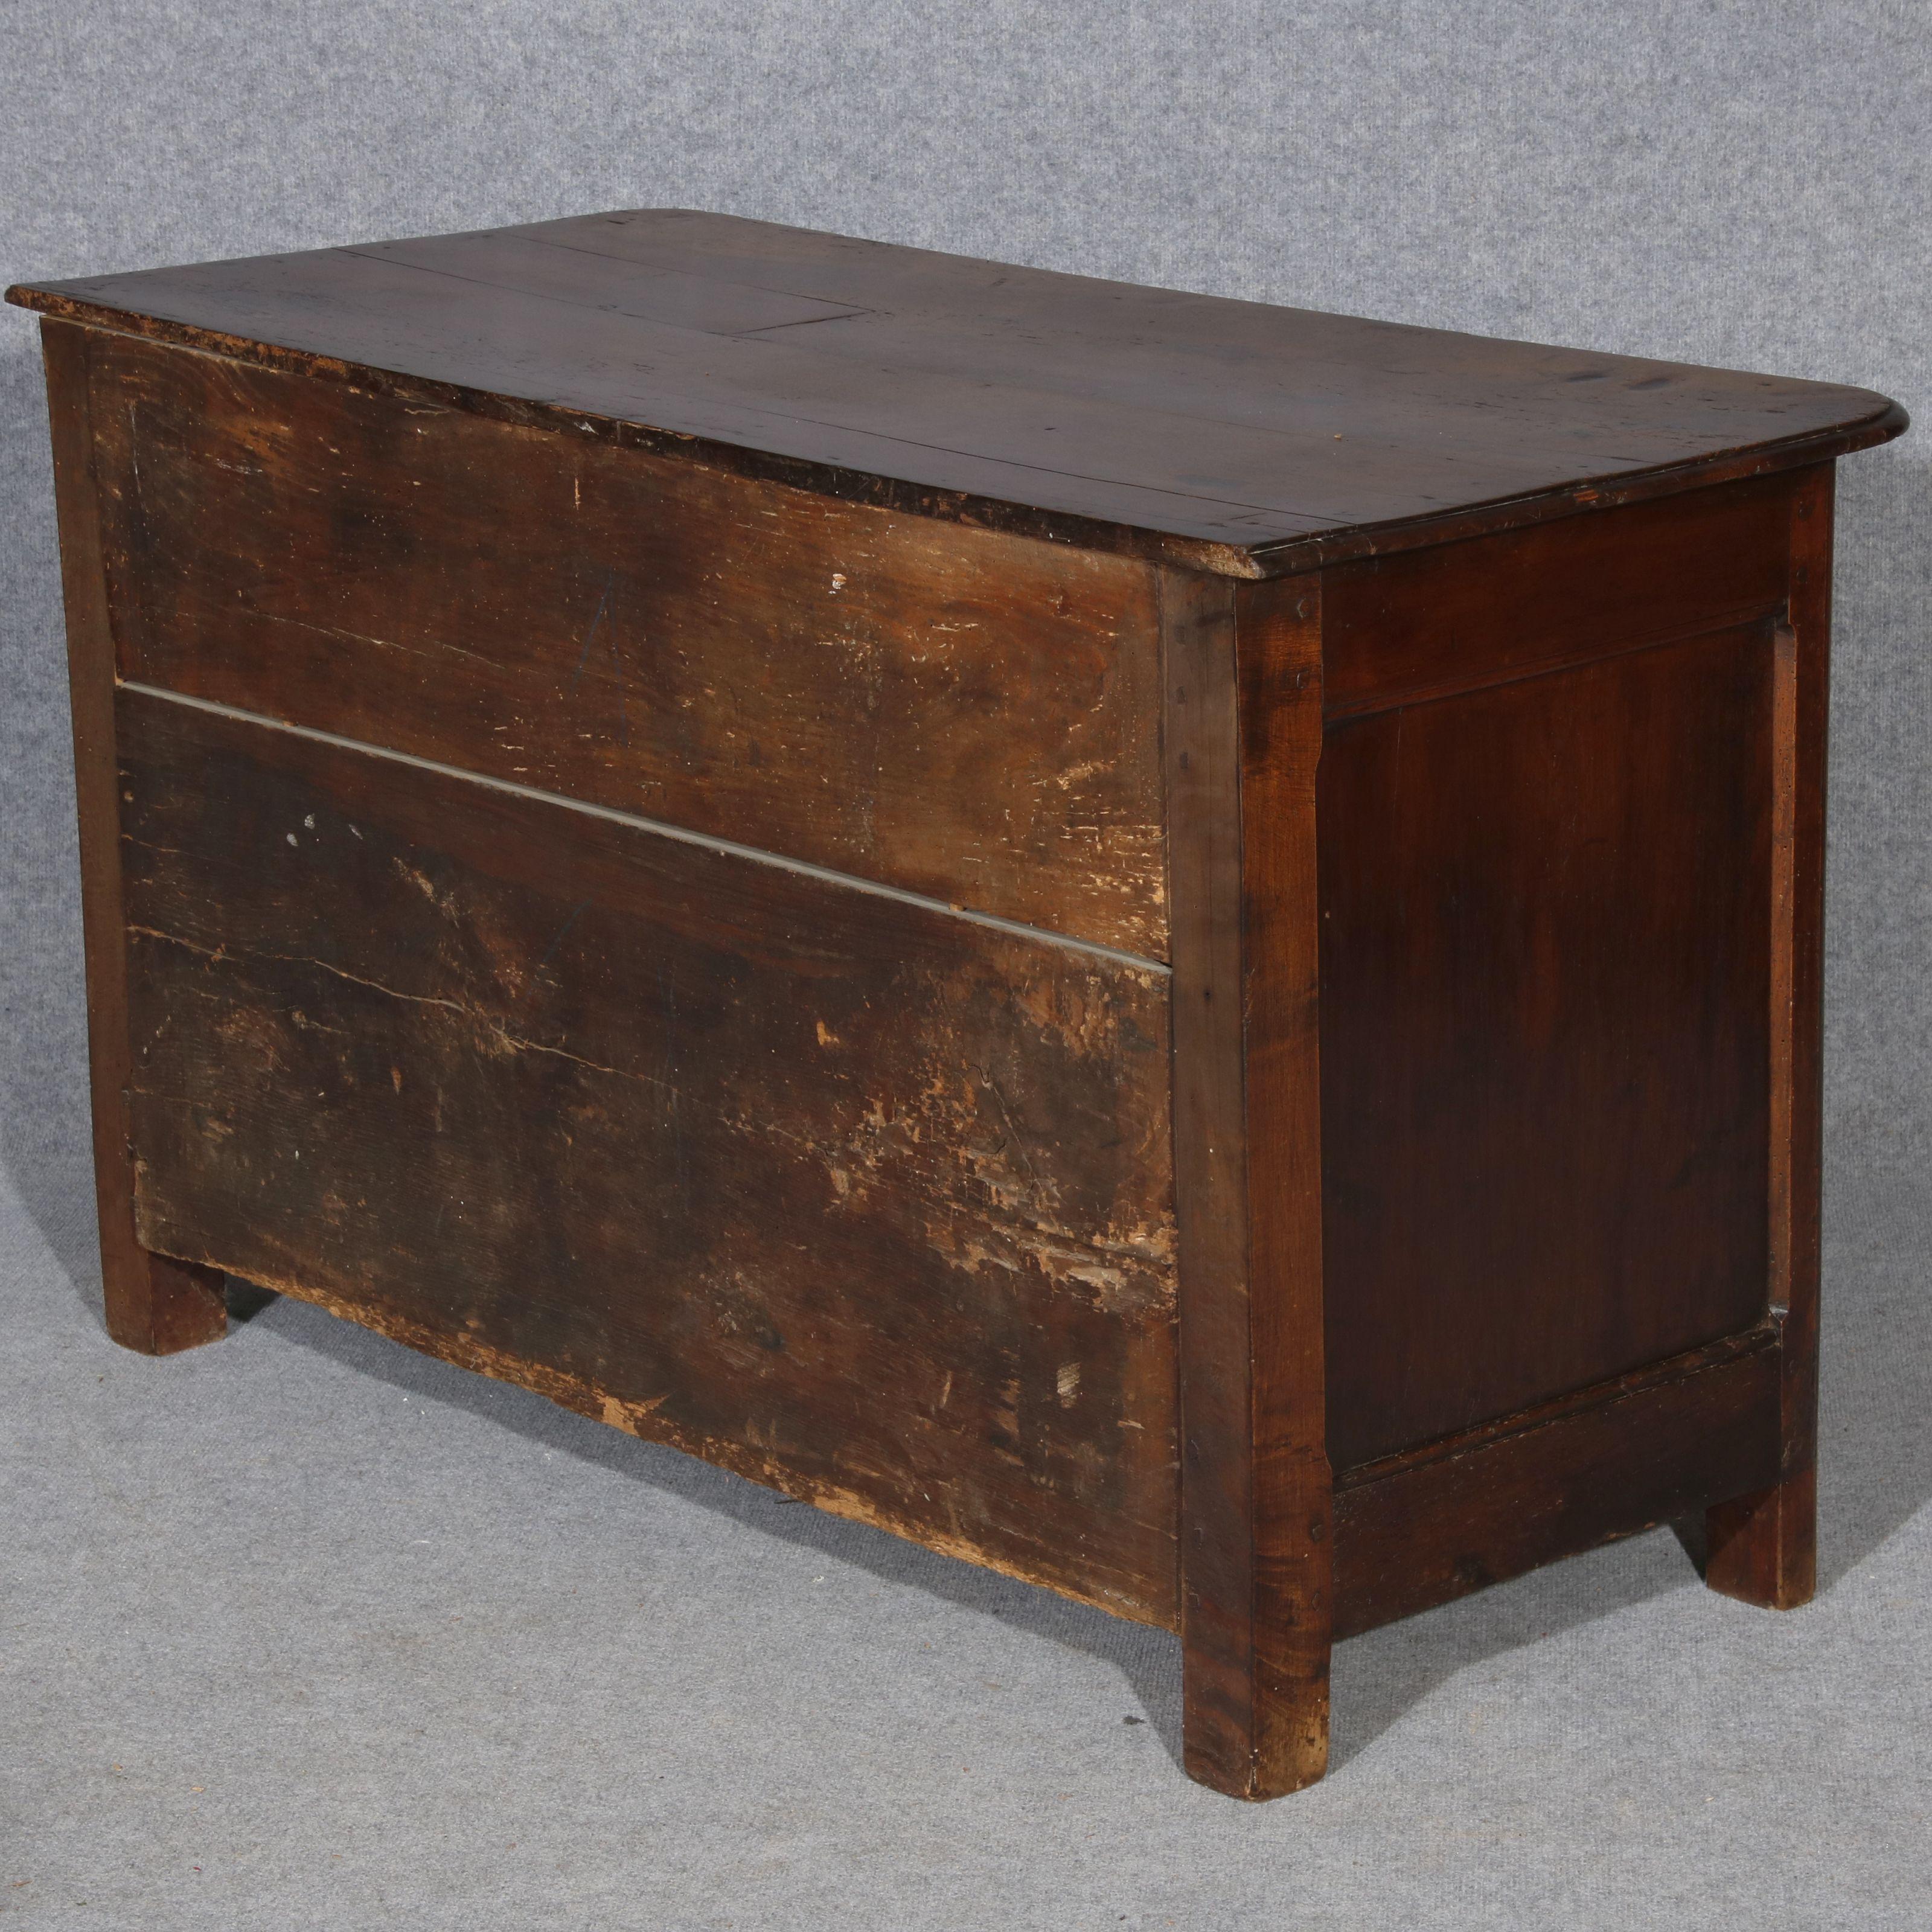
column 1170, row 945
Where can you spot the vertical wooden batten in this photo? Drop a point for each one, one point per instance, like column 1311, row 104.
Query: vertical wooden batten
column 1242, row 739
column 154, row 1304
column 1763, row 1547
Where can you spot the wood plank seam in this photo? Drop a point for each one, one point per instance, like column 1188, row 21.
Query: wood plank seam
column 682, row 834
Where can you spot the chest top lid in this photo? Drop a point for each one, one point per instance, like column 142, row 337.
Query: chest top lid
column 1230, row 435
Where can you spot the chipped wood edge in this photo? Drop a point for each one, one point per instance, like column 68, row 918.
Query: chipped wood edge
column 645, row 1421
column 864, row 489
column 1271, row 557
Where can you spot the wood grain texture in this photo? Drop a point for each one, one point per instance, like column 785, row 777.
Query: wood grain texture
column 1650, row 1448
column 855, row 1197
column 1216, row 434
column 1429, row 624
column 153, row 1304
column 1172, row 946
column 1243, row 734
column 965, row 715
column 1762, row 1544
column 1545, row 1048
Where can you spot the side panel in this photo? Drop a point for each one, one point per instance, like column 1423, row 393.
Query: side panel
column 856, row 1197
column 963, row 714
column 1547, row 982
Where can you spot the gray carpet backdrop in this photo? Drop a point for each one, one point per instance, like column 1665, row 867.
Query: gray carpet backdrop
column 303, row 1631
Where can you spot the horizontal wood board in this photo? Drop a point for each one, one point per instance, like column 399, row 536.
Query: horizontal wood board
column 1228, row 435
column 966, row 715
column 1653, row 1447
column 1428, row 624
column 856, row 1198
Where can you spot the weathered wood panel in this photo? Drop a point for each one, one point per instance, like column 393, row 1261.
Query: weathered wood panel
column 960, row 713
column 856, row 1197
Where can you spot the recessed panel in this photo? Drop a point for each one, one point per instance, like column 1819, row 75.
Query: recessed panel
column 1546, row 930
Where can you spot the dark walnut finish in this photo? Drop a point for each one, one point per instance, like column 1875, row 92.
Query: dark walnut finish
column 1224, row 436
column 1169, row 945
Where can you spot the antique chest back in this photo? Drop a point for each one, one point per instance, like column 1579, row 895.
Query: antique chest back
column 1170, row 945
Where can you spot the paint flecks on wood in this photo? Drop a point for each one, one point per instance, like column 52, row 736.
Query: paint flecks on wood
column 963, row 715
column 823, row 1187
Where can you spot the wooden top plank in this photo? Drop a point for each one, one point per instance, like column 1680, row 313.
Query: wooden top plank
column 1230, row 435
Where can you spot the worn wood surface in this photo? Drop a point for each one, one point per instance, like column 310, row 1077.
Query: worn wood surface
column 1470, row 1510
column 152, row 1304
column 965, row 715
column 858, row 1198
column 1225, row 435
column 1243, row 732
column 1762, row 1544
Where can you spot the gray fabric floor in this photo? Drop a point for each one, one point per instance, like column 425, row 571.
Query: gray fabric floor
column 302, row 1630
